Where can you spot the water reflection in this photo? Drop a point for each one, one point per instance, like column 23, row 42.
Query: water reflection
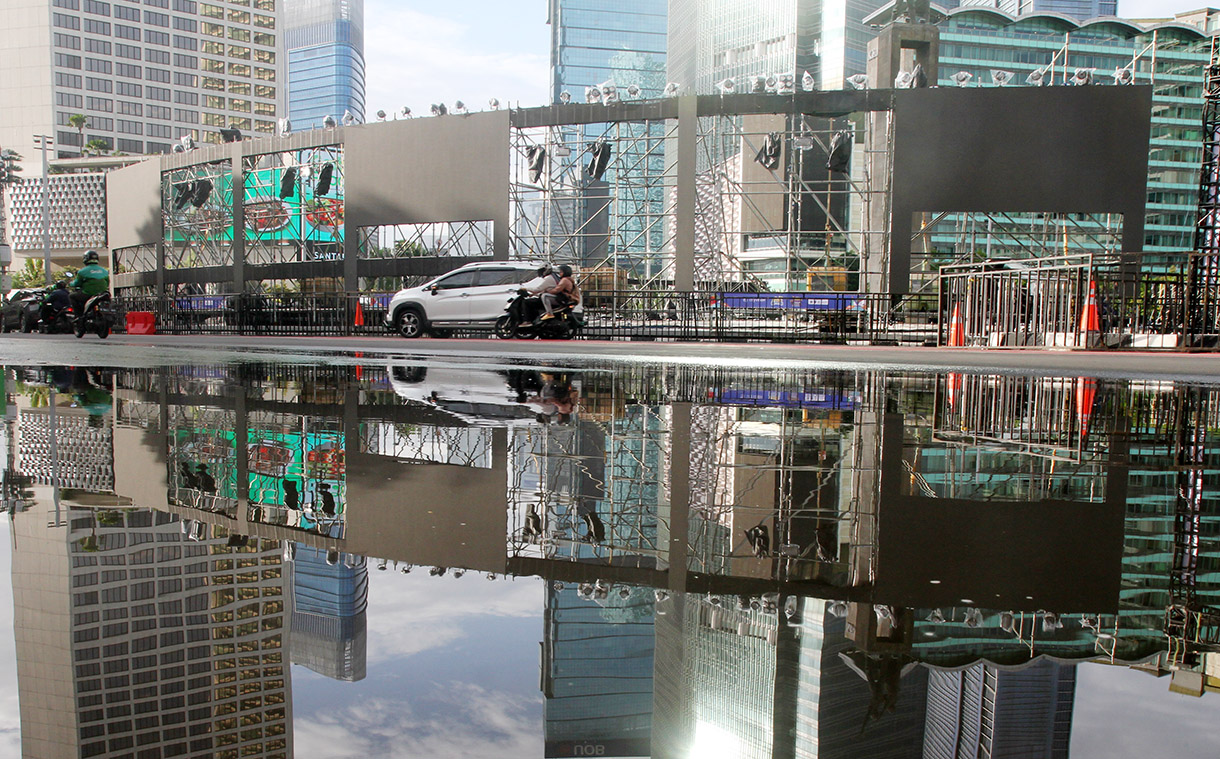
column 803, row 563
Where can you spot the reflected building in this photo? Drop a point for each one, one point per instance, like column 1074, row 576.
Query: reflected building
column 134, row 636
column 329, row 599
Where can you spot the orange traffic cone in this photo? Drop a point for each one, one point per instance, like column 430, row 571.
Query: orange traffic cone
column 956, row 394
column 359, row 315
column 957, row 329
column 1090, row 321
column 1086, row 393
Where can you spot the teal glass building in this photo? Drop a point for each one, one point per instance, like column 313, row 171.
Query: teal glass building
column 324, row 40
column 594, row 41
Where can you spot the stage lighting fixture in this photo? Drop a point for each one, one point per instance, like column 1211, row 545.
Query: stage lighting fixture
column 807, row 82
column 671, row 89
column 858, row 81
column 962, row 78
column 999, row 77
column 565, row 97
column 329, row 122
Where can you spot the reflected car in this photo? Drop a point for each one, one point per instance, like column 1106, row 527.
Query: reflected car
column 470, row 297
column 22, row 309
column 477, row 397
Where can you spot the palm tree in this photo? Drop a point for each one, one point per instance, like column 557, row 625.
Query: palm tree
column 79, row 121
column 96, row 147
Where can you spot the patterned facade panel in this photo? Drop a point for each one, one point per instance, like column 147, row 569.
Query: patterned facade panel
column 76, row 212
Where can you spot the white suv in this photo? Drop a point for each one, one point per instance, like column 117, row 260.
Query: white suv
column 470, row 297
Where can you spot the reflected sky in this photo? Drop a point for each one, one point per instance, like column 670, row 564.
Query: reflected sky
column 431, row 559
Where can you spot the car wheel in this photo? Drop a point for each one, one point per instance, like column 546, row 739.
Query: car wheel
column 27, row 324
column 410, row 323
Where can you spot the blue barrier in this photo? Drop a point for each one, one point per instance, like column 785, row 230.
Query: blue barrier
column 794, row 301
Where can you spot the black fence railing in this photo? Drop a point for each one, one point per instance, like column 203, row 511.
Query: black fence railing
column 614, row 315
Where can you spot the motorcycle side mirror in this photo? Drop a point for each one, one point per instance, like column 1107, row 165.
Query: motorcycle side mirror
column 434, row 289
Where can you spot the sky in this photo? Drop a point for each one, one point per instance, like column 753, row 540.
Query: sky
column 418, row 53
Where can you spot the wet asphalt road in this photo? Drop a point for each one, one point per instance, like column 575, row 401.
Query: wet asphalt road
column 162, row 350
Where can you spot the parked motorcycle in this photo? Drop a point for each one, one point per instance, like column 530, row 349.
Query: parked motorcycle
column 523, row 318
column 97, row 316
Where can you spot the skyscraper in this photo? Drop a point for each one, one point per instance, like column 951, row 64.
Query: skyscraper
column 1078, row 9
column 325, row 44
column 143, row 75
column 622, row 41
column 713, row 40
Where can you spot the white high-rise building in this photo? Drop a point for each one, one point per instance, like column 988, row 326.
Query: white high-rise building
column 143, row 73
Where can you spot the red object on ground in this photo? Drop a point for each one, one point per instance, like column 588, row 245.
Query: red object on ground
column 1090, row 321
column 957, row 330
column 359, row 315
column 141, row 323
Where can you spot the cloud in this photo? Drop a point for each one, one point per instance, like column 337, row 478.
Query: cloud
column 416, row 613
column 458, row 719
column 415, row 58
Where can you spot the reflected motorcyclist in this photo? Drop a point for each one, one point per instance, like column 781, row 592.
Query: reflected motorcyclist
column 55, row 302
column 92, row 279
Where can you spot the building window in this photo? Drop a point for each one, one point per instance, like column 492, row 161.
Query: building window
column 158, row 93
column 64, row 60
column 239, row 88
column 213, row 48
column 68, row 100
column 156, row 19
column 157, row 56
column 159, row 112
column 156, row 75
column 64, row 21
column 185, row 43
column 238, row 17
column 130, row 127
column 128, row 108
column 164, row 131
column 185, row 6
column 127, row 51
column 264, row 56
column 97, row 66
column 93, row 26
column 213, row 119
column 105, row 105
column 186, row 80
column 264, row 109
column 186, row 117
column 72, row 5
column 211, row 11
column 98, row 8
column 69, row 41
column 212, row 83
column 265, row 5
column 262, row 38
column 239, row 34
column 102, row 47
column 125, row 32
column 156, row 38
column 264, row 22
column 213, row 67
column 126, row 14
column 127, row 89
column 186, row 61
column 186, row 98
column 237, row 51
column 212, row 30
column 266, row 127
column 186, row 24
column 94, row 84
column 242, row 106
column 239, row 69
column 267, row 75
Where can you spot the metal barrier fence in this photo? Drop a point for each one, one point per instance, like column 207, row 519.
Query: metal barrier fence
column 1155, row 301
column 615, row 315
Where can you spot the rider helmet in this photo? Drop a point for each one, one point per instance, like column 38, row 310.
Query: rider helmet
column 544, row 270
column 61, row 285
column 91, row 257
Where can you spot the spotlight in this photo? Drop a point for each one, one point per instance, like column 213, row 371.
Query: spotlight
column 585, row 590
column 857, row 81
column 329, row 122
column 381, row 115
column 671, row 89
column 406, row 570
column 600, row 151
column 1083, row 77
column 285, row 127
column 633, row 90
column 962, row 78
column 203, row 190
column 1007, row 621
column 439, row 109
column 624, row 592
column 840, row 151
column 494, row 103
column 772, row 83
column 903, row 80
column 324, row 178
column 565, row 97
column 974, row 617
column 1124, row 75
column 758, row 537
column 807, row 82
column 460, row 108
column 593, row 94
column 768, row 158
column 609, row 93
column 288, row 183
column 178, row 148
column 232, row 134
column 660, row 595
column 348, row 118
column 937, row 617
column 183, row 192
column 999, row 77
column 458, row 573
column 436, row 571
column 187, row 142
column 406, row 112
column 536, row 155
column 787, row 84
column 596, row 528
column 727, row 86
column 759, row 85
column 1036, row 78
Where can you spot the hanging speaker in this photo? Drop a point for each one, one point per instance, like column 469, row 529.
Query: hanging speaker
column 288, row 183
column 324, row 177
column 203, row 190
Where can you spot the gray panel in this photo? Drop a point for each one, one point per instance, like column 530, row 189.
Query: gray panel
column 1065, row 149
column 451, row 168
column 133, row 205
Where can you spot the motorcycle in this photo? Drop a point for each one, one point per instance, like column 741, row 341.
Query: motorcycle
column 61, row 322
column 97, row 316
column 523, row 318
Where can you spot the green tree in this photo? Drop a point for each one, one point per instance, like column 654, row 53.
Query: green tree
column 79, row 121
column 10, row 167
column 96, row 147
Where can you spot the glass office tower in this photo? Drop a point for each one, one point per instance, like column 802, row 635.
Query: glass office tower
column 1078, row 9
column 593, row 42
column 325, row 44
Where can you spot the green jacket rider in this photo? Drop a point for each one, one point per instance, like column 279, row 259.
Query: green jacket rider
column 92, row 277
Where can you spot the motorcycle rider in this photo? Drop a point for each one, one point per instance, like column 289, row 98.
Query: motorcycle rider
column 91, row 280
column 56, row 301
column 550, row 279
column 564, row 293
